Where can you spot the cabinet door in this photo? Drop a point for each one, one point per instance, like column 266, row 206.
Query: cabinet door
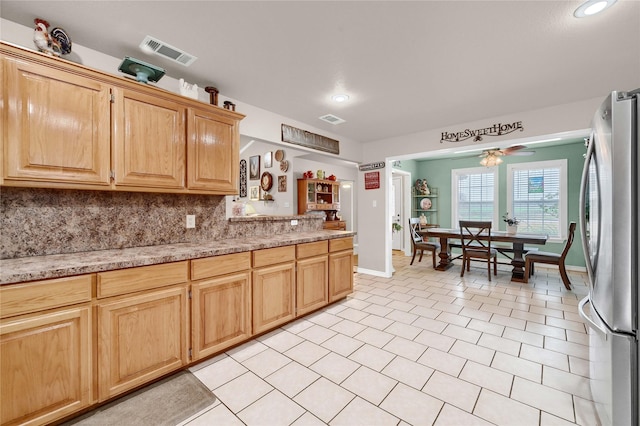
column 273, row 296
column 149, row 141
column 340, row 274
column 312, row 284
column 221, row 313
column 46, row 365
column 57, row 126
column 140, row 338
column 214, row 152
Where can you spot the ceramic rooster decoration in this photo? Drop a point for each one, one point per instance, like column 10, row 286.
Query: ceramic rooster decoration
column 55, row 43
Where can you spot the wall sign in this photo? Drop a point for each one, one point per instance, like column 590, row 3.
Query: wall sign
column 497, row 129
column 310, row 140
column 372, row 180
column 371, row 166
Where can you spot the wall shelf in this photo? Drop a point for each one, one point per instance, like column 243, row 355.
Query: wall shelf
column 431, row 214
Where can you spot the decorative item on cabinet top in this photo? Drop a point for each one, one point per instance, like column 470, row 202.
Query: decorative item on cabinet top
column 55, row 43
column 143, row 71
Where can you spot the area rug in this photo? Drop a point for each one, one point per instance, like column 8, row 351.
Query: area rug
column 166, row 402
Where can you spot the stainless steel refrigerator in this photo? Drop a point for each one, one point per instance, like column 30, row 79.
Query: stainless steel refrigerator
column 609, row 204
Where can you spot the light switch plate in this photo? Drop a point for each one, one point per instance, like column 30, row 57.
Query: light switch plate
column 294, row 222
column 191, row 221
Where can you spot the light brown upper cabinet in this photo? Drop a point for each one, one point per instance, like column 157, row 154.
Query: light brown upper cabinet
column 69, row 126
column 56, row 125
column 213, row 154
column 149, row 140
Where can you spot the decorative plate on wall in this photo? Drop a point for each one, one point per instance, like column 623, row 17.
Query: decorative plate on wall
column 266, row 181
column 279, row 155
column 284, row 166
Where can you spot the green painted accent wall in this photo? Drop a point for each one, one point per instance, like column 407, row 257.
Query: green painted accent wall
column 438, row 174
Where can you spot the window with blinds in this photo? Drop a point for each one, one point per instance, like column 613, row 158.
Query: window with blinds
column 536, row 196
column 475, row 194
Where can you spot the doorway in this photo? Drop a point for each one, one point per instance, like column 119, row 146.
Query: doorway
column 397, row 236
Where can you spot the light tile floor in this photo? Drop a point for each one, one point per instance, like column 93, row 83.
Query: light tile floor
column 421, row 348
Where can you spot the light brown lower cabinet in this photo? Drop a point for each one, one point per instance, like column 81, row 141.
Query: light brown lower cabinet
column 46, row 366
column 340, row 268
column 273, row 282
column 141, row 337
column 312, row 277
column 220, row 313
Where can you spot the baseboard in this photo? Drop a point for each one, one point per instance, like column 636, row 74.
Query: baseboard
column 372, row 272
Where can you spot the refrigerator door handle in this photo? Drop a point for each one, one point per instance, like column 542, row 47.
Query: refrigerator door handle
column 583, row 207
column 597, row 327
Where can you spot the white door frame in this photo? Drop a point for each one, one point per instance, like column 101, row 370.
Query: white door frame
column 406, row 210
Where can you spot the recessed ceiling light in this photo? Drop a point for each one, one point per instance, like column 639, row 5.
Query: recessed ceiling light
column 340, row 98
column 591, row 7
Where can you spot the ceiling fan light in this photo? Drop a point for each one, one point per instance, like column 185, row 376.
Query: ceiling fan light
column 490, row 160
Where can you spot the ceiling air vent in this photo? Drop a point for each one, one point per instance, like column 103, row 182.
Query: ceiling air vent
column 330, row 118
column 150, row 44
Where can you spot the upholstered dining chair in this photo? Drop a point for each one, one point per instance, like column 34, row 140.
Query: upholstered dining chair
column 419, row 244
column 551, row 259
column 475, row 237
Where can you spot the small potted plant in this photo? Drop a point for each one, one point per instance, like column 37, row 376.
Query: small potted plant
column 512, row 223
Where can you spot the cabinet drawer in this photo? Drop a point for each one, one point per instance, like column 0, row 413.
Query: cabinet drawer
column 339, row 225
column 131, row 280
column 341, row 244
column 220, row 265
column 273, row 255
column 40, row 295
column 312, row 249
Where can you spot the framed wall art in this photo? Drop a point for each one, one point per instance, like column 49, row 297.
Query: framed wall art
column 254, row 167
column 282, row 184
column 254, row 192
column 268, row 162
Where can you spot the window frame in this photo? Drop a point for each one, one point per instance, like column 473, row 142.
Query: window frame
column 561, row 164
column 456, row 173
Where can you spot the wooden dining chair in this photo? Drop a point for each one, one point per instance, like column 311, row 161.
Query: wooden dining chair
column 551, row 259
column 418, row 243
column 475, row 237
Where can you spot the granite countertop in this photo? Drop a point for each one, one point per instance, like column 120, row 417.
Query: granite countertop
column 62, row 265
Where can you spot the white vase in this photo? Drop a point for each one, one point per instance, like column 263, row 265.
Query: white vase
column 512, row 229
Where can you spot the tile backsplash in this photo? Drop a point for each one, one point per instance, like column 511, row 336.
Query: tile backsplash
column 38, row 221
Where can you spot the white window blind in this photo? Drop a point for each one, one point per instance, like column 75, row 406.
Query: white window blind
column 536, row 196
column 475, row 194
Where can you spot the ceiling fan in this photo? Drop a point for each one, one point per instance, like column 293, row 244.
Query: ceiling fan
column 491, row 157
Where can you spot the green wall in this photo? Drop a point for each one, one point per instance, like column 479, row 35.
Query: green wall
column 438, row 174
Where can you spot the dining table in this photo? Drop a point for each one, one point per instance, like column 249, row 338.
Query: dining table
column 517, row 242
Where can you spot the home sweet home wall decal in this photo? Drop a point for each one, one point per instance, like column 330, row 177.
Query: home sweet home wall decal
column 497, row 129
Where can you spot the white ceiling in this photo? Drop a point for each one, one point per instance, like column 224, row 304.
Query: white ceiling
column 408, row 66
